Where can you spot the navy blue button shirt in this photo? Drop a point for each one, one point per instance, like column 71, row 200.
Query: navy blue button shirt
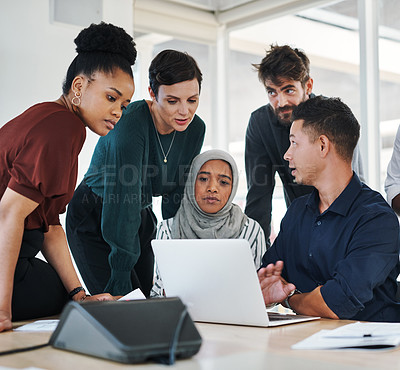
column 352, row 249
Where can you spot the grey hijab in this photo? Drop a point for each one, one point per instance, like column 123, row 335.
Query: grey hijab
column 190, row 222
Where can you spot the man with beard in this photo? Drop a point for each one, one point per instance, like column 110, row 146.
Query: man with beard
column 285, row 73
column 337, row 251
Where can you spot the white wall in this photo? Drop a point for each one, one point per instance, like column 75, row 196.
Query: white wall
column 35, row 55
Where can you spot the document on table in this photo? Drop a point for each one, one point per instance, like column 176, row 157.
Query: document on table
column 366, row 329
column 25, row 368
column 367, row 335
column 40, row 325
column 134, row 294
column 50, row 325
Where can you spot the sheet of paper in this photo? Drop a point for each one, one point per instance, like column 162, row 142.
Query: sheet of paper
column 134, row 294
column 365, row 329
column 25, row 368
column 40, row 325
column 322, row 340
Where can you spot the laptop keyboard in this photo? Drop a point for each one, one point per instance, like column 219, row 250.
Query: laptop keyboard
column 280, row 316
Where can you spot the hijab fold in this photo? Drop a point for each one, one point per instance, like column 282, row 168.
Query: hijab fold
column 190, row 222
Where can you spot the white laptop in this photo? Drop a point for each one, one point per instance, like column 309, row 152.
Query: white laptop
column 217, row 281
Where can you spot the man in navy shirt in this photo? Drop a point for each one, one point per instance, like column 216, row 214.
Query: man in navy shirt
column 339, row 245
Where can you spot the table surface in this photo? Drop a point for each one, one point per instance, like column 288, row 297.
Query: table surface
column 223, row 347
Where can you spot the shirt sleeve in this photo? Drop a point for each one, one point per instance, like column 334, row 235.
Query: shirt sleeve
column 164, row 229
column 255, row 236
column 260, row 178
column 357, row 164
column 122, row 203
column 372, row 255
column 272, row 255
column 275, row 252
column 43, row 167
column 163, row 232
column 392, row 183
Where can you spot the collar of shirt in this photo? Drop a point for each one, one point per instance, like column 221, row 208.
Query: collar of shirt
column 342, row 203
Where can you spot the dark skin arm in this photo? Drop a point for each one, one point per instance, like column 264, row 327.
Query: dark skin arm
column 14, row 208
column 396, row 204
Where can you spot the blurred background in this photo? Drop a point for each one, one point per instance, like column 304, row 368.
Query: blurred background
column 353, row 46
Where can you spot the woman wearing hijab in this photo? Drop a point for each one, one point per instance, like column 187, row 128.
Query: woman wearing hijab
column 207, row 211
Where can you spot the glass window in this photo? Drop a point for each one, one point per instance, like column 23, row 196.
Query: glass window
column 389, row 54
column 333, row 51
column 329, row 36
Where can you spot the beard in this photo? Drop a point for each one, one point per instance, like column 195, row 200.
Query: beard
column 284, row 114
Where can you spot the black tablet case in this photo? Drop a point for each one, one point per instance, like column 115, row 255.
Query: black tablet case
column 126, row 331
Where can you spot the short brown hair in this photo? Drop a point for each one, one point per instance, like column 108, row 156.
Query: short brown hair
column 284, row 62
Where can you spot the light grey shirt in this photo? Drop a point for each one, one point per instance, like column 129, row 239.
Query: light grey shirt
column 392, row 182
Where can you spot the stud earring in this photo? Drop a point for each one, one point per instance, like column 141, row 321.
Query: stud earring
column 76, row 100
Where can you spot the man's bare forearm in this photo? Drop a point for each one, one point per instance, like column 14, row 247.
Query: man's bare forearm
column 311, row 304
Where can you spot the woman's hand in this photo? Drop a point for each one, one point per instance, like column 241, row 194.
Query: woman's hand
column 101, row 297
column 5, row 321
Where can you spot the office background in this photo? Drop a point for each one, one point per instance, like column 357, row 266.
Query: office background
column 353, row 46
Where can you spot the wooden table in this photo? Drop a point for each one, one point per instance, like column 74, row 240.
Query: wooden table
column 225, row 347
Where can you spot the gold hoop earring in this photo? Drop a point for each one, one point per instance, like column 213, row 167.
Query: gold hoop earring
column 77, row 96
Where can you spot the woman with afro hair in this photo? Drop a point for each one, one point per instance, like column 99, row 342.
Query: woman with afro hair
column 38, row 171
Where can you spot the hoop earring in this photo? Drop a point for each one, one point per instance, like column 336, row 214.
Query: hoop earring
column 77, row 96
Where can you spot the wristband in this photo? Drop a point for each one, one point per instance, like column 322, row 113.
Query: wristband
column 75, row 291
column 286, row 301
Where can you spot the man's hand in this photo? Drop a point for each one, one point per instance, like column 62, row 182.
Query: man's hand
column 274, row 288
column 5, row 321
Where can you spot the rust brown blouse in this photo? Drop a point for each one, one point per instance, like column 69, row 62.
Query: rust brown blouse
column 39, row 159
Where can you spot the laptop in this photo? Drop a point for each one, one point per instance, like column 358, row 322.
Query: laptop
column 217, row 281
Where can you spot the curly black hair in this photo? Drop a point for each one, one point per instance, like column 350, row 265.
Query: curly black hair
column 101, row 47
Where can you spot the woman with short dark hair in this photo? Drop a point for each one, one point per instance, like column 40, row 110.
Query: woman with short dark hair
column 110, row 222
column 38, row 170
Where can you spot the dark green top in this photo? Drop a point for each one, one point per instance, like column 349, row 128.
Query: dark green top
column 126, row 171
